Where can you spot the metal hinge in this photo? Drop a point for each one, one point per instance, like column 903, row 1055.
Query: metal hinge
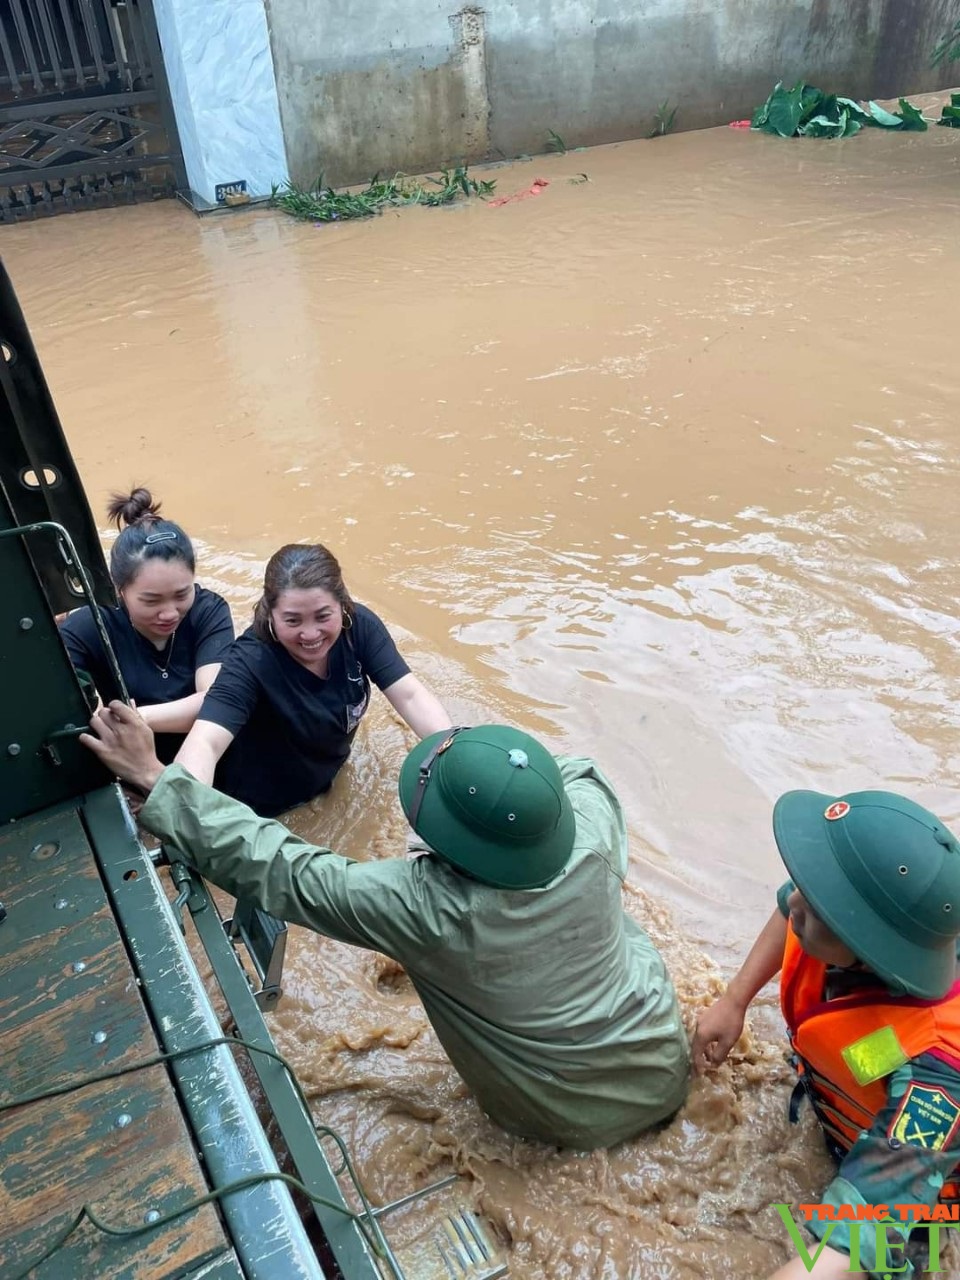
column 265, row 938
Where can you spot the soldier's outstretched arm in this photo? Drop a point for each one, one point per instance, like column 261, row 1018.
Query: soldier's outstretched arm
column 720, row 1026
column 364, row 904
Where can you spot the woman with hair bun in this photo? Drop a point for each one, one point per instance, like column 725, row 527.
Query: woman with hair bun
column 279, row 722
column 169, row 633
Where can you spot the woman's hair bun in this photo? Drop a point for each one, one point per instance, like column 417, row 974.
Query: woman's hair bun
column 136, row 507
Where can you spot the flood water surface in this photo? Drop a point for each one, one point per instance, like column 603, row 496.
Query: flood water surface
column 662, row 465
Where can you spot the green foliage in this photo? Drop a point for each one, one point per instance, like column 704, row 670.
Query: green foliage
column 324, row 204
column 911, row 116
column 556, row 143
column 886, row 119
column 806, row 111
column 452, row 183
column 664, row 119
column 947, row 49
column 950, row 116
column 782, row 111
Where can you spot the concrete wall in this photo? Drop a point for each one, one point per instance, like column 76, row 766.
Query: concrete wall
column 410, row 84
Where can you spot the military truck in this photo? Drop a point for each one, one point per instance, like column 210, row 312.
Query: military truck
column 135, row 1103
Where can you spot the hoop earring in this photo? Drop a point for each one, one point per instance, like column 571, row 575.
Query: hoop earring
column 347, row 622
column 273, row 634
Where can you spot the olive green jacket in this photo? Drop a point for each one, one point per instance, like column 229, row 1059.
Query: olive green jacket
column 554, row 1006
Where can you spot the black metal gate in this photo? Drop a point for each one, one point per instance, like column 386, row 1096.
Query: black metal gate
column 85, row 111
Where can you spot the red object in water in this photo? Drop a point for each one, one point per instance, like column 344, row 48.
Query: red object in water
column 740, row 124
column 533, row 190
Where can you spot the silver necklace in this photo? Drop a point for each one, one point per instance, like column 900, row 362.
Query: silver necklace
column 165, row 669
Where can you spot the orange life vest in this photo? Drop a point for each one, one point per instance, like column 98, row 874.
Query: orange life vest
column 820, row 1030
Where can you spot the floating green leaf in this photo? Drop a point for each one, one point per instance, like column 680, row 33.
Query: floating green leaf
column 850, row 126
column 821, row 127
column 844, row 126
column 950, row 116
column 811, row 99
column 911, row 116
column 854, row 109
column 783, row 111
column 885, row 119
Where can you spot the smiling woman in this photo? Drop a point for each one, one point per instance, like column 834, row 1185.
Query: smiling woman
column 168, row 632
column 279, row 723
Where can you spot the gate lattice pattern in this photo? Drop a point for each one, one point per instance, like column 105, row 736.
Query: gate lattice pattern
column 85, row 114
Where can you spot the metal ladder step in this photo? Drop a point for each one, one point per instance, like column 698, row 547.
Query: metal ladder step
column 461, row 1247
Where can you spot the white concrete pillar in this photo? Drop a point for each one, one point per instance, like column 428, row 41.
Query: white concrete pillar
column 220, row 68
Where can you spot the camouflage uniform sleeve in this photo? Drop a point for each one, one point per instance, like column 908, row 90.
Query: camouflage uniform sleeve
column 903, row 1159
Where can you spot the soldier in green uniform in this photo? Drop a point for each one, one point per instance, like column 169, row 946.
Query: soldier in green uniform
column 864, row 938
column 551, row 1002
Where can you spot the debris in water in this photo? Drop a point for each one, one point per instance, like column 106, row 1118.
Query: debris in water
column 806, row 111
column 533, row 190
column 950, row 115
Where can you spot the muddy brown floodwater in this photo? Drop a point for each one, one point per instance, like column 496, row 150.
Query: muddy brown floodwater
column 663, row 466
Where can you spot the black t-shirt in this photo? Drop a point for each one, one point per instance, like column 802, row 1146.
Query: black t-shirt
column 203, row 637
column 292, row 730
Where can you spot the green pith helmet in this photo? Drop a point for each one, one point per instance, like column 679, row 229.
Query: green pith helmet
column 884, row 875
column 490, row 800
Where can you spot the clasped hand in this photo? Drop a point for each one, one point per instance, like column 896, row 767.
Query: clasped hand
column 123, row 740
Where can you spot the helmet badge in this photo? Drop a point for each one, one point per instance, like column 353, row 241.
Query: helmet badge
column 839, row 809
